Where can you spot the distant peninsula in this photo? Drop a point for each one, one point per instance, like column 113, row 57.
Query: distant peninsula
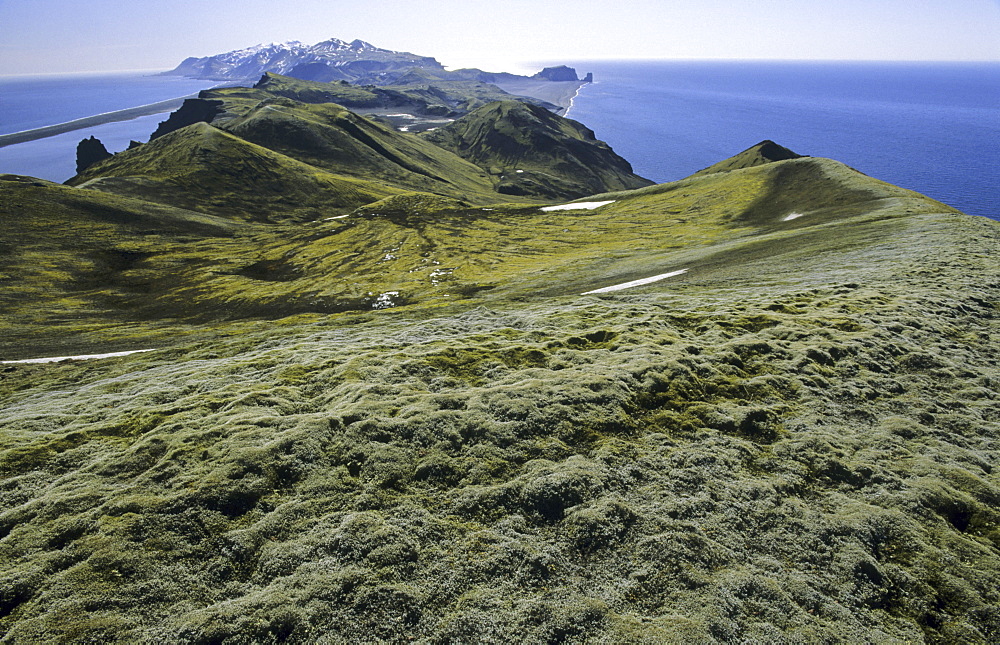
column 361, row 63
column 358, row 62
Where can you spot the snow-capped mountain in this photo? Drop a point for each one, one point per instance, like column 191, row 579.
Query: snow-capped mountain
column 332, row 59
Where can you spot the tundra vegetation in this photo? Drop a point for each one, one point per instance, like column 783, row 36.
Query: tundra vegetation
column 380, row 409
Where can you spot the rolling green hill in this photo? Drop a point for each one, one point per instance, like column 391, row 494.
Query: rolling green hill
column 387, row 403
column 420, row 94
column 764, row 152
column 258, row 155
column 206, row 169
column 332, row 138
column 419, row 91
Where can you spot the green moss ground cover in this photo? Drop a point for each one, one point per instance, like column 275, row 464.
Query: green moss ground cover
column 802, row 451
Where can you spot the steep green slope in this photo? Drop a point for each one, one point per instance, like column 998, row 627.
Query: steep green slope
column 205, row 169
column 530, row 151
column 272, row 158
column 70, row 257
column 332, row 138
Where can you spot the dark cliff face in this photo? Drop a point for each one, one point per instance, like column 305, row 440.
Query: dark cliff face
column 89, row 152
column 192, row 111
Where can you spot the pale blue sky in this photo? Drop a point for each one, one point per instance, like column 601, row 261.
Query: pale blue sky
column 39, row 36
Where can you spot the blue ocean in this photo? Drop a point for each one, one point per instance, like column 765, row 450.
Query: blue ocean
column 29, row 102
column 930, row 127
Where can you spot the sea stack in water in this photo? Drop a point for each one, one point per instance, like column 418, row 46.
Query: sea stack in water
column 90, row 151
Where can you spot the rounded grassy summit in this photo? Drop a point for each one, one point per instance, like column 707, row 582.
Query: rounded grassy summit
column 484, row 384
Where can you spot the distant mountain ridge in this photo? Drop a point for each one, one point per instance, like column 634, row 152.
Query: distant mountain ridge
column 338, row 59
column 357, row 62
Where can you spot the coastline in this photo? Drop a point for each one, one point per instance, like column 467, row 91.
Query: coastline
column 559, row 93
column 127, row 114
column 572, row 100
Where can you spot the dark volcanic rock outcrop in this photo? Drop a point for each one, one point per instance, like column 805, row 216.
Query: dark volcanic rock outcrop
column 90, row 151
column 193, row 111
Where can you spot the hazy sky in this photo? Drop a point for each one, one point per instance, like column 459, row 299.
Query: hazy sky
column 95, row 35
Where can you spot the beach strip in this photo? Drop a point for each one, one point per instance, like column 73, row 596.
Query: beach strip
column 90, row 121
column 559, row 93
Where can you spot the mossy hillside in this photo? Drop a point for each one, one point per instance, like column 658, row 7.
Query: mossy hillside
column 64, row 253
column 419, row 250
column 530, row 151
column 801, row 452
column 332, row 138
column 204, row 169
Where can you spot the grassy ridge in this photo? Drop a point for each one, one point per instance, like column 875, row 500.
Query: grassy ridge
column 420, row 250
column 204, row 169
column 256, row 154
column 420, row 90
column 334, row 139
